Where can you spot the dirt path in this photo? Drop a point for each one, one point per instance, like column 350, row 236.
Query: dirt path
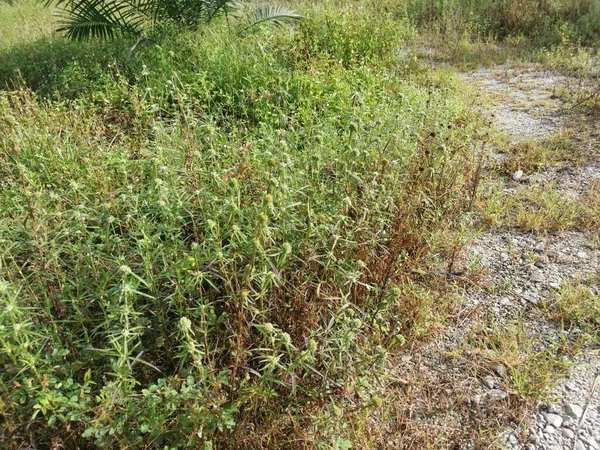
column 526, row 270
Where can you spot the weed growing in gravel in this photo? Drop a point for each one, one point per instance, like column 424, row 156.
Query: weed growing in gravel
column 591, row 201
column 537, row 155
column 577, row 307
column 530, row 371
column 533, row 208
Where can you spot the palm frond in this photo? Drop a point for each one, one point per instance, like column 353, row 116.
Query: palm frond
column 84, row 19
column 274, row 14
column 216, row 7
column 104, row 19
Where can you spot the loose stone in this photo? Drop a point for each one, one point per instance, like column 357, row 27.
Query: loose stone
column 574, row 411
column 568, row 433
column 488, row 381
column 554, row 419
column 500, row 370
column 591, row 442
column 537, row 276
column 555, row 286
column 517, row 175
column 497, row 394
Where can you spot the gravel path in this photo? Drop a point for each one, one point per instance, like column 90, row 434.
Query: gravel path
column 526, row 270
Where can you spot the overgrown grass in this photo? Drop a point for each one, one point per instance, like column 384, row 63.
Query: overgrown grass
column 22, row 22
column 483, row 32
column 203, row 244
column 215, row 241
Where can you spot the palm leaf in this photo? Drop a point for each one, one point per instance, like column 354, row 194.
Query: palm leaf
column 216, row 7
column 84, row 19
column 104, row 19
column 274, row 14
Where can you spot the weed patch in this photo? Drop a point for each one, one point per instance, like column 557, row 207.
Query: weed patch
column 212, row 242
column 577, row 308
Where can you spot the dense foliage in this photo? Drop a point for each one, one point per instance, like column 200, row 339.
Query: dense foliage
column 211, row 242
column 85, row 19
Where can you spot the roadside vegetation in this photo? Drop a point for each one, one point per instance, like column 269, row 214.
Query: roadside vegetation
column 218, row 237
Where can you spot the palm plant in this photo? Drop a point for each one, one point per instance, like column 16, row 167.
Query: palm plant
column 85, row 19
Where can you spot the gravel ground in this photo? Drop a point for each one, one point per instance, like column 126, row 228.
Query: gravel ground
column 450, row 389
column 526, row 270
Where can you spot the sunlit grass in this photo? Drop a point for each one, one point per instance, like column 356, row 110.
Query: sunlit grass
column 24, row 22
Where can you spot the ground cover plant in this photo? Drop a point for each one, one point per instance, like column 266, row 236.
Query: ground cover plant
column 217, row 239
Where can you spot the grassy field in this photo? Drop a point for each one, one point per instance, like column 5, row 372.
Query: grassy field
column 219, row 240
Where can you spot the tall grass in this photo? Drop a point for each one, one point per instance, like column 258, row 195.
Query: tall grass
column 542, row 22
column 210, row 244
column 23, row 21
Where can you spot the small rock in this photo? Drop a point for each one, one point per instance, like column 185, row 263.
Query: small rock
column 553, row 409
column 529, row 447
column 540, row 247
column 591, row 442
column 549, row 429
column 504, row 256
column 539, row 264
column 499, row 370
column 497, row 394
column 568, row 433
column 579, row 446
column 554, row 419
column 488, row 381
column 581, row 255
column 554, row 286
column 574, row 411
column 537, row 276
column 517, row 175
column 505, row 301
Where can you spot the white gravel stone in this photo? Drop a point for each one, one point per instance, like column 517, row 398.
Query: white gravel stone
column 497, row 394
column 510, row 259
column 500, row 370
column 573, row 410
column 537, row 276
column 568, row 433
column 590, row 441
column 488, row 381
column 517, row 175
column 554, row 419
